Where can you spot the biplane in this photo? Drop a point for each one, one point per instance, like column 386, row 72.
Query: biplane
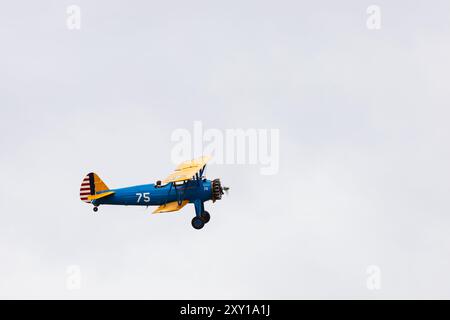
column 186, row 184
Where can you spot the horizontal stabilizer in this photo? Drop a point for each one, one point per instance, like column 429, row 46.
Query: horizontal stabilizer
column 100, row 195
column 171, row 206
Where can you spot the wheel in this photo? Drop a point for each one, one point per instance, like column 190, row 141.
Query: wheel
column 197, row 223
column 205, row 216
column 95, row 209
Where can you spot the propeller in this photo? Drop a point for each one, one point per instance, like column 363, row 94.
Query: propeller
column 218, row 190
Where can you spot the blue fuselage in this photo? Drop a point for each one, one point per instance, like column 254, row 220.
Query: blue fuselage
column 151, row 195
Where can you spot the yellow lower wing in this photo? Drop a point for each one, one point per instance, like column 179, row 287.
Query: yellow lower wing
column 171, row 206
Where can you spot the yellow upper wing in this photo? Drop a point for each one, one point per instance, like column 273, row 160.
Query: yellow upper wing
column 186, row 170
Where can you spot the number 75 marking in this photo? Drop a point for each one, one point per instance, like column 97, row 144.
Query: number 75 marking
column 145, row 195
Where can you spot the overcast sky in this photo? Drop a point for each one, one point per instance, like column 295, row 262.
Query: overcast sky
column 364, row 148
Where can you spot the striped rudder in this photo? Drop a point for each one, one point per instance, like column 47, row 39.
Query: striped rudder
column 90, row 185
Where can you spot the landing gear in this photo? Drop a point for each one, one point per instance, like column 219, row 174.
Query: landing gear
column 95, row 209
column 205, row 216
column 197, row 223
column 201, row 216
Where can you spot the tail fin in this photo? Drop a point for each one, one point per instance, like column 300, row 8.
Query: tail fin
column 90, row 185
